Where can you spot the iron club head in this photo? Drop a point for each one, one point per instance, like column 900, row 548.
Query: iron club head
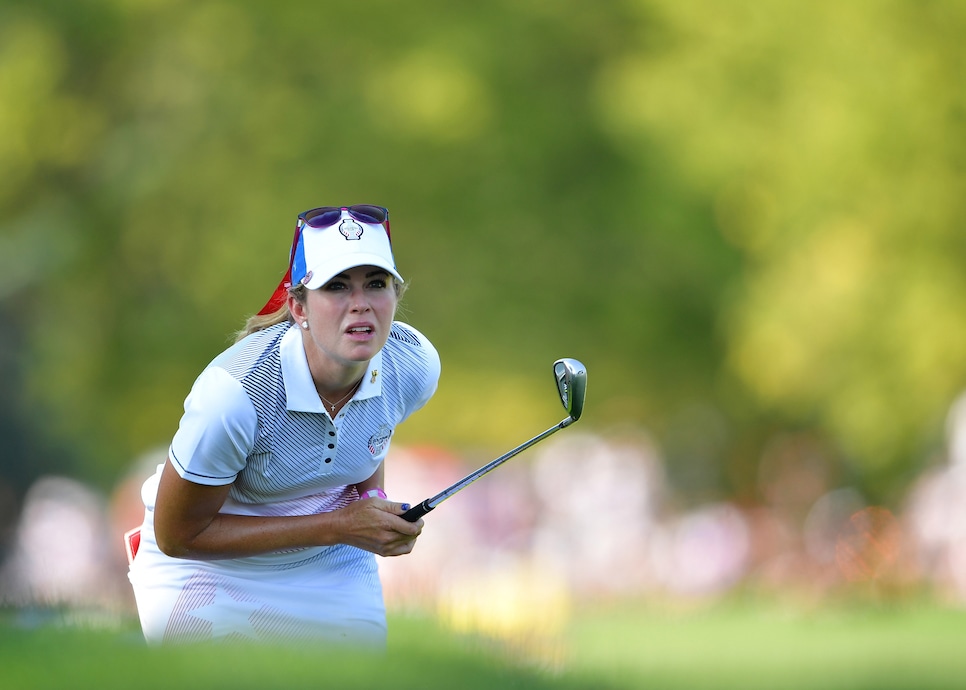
column 571, row 377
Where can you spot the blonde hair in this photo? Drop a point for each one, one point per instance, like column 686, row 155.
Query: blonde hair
column 259, row 322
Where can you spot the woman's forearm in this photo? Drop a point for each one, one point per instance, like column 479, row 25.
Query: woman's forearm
column 188, row 524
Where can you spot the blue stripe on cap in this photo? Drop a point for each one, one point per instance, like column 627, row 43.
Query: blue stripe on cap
column 298, row 260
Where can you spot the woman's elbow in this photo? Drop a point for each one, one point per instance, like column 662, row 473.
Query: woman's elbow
column 172, row 544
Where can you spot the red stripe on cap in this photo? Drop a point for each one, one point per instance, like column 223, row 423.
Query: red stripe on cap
column 278, row 297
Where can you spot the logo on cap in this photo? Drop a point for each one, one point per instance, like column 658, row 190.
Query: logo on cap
column 350, row 229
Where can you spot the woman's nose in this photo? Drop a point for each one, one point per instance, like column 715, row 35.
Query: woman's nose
column 359, row 300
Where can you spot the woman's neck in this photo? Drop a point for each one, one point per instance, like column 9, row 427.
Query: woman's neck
column 334, row 380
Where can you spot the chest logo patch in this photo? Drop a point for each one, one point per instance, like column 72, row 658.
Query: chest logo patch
column 379, row 440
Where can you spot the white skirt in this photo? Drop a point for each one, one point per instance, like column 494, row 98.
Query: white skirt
column 332, row 596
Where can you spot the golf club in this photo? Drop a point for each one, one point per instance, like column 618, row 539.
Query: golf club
column 571, row 378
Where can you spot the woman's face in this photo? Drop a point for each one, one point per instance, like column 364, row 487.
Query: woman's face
column 350, row 316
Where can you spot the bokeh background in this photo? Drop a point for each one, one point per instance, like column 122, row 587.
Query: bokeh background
column 746, row 218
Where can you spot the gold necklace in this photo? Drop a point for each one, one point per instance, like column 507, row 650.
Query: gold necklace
column 332, row 405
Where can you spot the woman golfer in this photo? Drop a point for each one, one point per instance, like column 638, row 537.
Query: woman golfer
column 263, row 521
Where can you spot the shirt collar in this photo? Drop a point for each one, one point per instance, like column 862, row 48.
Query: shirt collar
column 372, row 380
column 300, row 392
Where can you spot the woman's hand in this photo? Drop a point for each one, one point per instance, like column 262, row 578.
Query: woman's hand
column 374, row 524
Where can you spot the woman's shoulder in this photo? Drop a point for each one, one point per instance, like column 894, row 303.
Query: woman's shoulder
column 406, row 344
column 413, row 364
column 252, row 351
column 407, row 335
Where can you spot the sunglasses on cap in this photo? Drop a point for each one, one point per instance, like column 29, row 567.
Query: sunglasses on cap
column 323, row 217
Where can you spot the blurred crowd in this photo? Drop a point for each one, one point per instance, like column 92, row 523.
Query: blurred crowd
column 579, row 518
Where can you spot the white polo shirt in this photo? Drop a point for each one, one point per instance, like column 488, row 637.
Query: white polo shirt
column 253, row 419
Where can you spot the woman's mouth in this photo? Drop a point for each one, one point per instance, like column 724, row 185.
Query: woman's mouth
column 360, row 331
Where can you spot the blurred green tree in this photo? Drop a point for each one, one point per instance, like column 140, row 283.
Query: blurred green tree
column 742, row 217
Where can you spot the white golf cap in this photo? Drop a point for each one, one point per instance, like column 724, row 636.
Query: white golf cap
column 322, row 253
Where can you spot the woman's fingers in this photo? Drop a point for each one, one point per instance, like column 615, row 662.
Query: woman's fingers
column 375, row 526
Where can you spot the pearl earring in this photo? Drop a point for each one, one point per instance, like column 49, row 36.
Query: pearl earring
column 305, row 325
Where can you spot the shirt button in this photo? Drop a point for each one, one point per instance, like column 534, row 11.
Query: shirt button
column 328, row 459
column 331, row 445
column 331, row 433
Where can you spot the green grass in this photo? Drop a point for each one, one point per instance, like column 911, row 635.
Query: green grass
column 420, row 655
column 745, row 646
column 759, row 646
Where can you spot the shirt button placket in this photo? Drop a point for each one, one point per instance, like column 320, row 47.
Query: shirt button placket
column 331, row 447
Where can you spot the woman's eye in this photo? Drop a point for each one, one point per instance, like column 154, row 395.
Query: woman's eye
column 377, row 284
column 335, row 285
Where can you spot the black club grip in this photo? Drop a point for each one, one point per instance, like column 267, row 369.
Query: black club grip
column 417, row 511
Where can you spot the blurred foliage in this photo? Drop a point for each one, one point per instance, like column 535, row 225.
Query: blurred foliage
column 744, row 217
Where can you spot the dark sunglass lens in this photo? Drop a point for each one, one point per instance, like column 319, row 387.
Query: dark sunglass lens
column 369, row 214
column 323, row 217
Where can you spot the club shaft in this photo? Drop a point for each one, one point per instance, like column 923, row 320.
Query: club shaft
column 421, row 509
